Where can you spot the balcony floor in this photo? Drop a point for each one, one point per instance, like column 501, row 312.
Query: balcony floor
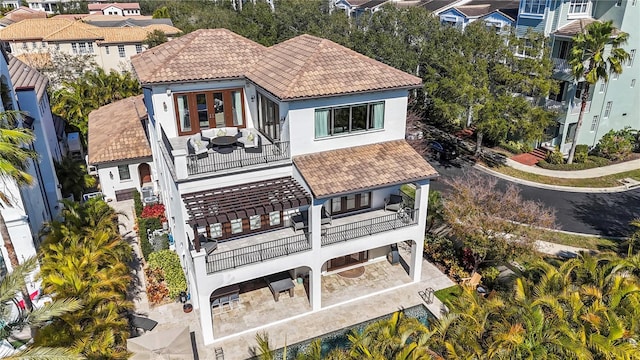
column 288, row 231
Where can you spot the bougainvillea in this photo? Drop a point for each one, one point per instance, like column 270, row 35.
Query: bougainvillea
column 154, row 211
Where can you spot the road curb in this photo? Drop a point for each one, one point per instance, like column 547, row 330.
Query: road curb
column 615, row 189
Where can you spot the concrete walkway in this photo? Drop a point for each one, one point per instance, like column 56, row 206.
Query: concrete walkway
column 578, row 174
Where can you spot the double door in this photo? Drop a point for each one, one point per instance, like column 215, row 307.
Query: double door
column 209, row 109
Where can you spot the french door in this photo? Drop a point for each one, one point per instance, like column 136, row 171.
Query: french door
column 197, row 111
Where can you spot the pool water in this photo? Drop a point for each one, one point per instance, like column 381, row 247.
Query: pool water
column 338, row 339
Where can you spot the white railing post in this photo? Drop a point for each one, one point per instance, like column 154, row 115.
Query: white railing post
column 180, row 162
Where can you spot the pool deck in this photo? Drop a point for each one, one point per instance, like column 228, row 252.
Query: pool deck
column 385, row 287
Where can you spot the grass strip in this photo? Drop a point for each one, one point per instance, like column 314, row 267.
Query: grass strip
column 598, row 182
column 447, row 294
column 582, row 241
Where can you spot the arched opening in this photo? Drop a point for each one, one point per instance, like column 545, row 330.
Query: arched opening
column 144, row 172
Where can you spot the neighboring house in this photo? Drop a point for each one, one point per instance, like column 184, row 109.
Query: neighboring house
column 20, row 14
column 124, row 21
column 437, row 6
column 613, row 105
column 111, row 46
column 498, row 14
column 279, row 159
column 119, row 9
column 23, row 88
column 358, row 7
column 119, row 148
column 10, row 4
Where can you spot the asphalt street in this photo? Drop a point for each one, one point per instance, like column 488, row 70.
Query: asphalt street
column 605, row 214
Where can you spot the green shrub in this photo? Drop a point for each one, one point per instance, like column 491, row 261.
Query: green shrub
column 526, row 147
column 555, row 157
column 590, row 163
column 169, row 262
column 617, row 145
column 512, row 147
column 581, row 154
column 145, row 224
column 137, row 203
column 489, row 276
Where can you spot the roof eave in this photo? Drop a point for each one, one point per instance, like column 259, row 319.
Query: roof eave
column 382, row 186
column 109, row 162
column 154, row 83
column 408, row 87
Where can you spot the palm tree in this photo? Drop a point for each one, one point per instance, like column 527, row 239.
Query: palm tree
column 73, row 177
column 14, row 163
column 589, row 61
column 435, row 209
column 11, row 285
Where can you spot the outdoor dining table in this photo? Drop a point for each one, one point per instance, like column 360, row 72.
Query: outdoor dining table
column 280, row 282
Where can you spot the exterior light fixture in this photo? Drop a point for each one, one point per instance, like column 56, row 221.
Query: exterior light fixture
column 164, row 106
column 110, row 175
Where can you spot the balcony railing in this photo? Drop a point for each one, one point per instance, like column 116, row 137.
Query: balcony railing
column 561, row 65
column 237, row 158
column 558, row 106
column 258, row 253
column 369, row 227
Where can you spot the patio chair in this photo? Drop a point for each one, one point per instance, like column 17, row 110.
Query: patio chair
column 473, row 280
column 393, row 203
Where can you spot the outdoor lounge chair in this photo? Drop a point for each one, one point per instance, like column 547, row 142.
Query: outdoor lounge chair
column 143, row 323
column 393, row 203
column 473, row 280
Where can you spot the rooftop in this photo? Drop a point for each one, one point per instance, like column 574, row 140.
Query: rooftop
column 348, row 170
column 20, row 14
column 61, row 29
column 575, row 27
column 479, row 8
column 116, row 132
column 435, row 5
column 123, row 6
column 25, row 77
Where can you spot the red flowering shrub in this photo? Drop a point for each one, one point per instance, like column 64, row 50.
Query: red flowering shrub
column 154, row 211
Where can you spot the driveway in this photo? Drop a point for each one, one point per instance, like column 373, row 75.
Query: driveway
column 604, row 214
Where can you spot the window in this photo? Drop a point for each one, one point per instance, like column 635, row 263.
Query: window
column 615, row 76
column 254, row 222
column 43, row 44
column 526, row 49
column 24, row 45
column 216, row 230
column 121, row 51
column 633, row 82
column 123, row 171
column 206, row 109
column 579, row 89
column 90, row 48
column 594, row 123
column 633, row 3
column 83, row 48
column 348, row 119
column 607, row 110
column 533, row 6
column 632, row 55
column 618, row 3
column 138, row 48
column 578, row 6
column 274, row 218
column 236, row 226
column 57, row 46
column 571, row 132
column 353, row 202
column 33, row 45
column 268, row 117
column 603, row 87
column 74, row 48
column 106, row 50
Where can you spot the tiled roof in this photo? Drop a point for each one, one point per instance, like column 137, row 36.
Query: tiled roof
column 24, row 76
column 477, row 8
column 124, row 21
column 116, row 132
column 359, row 168
column 575, row 27
column 434, row 5
column 24, row 12
column 307, row 66
column 204, row 54
column 65, row 30
column 36, row 60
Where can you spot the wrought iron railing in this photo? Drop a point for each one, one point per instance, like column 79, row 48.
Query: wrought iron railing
column 359, row 229
column 248, row 255
column 239, row 157
column 167, row 145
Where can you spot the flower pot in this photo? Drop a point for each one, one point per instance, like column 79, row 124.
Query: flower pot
column 187, row 308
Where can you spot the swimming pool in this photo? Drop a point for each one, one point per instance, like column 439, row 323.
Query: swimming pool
column 338, row 339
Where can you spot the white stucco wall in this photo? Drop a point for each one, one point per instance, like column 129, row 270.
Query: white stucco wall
column 109, row 186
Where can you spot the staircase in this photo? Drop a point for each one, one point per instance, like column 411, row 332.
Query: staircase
column 531, row 158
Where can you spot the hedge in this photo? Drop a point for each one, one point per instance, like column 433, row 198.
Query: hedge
column 145, row 224
column 137, row 203
column 169, row 262
column 592, row 162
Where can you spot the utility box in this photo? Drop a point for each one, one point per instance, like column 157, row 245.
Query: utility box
column 75, row 146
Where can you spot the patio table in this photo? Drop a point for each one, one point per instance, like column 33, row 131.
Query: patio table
column 280, row 282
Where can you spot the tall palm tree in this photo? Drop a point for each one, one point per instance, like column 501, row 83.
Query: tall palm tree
column 14, row 163
column 11, row 285
column 589, row 61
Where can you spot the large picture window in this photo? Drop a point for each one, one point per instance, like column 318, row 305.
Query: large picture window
column 533, row 7
column 578, row 6
column 348, row 119
column 268, row 117
column 348, row 203
column 209, row 109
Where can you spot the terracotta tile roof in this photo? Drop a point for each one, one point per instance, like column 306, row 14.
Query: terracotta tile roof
column 75, row 31
column 342, row 171
column 574, row 27
column 36, row 60
column 24, row 76
column 116, row 132
column 133, row 34
column 204, row 54
column 24, row 12
column 32, row 29
column 307, row 66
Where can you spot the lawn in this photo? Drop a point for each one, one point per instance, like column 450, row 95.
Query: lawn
column 603, row 181
column 448, row 294
column 587, row 242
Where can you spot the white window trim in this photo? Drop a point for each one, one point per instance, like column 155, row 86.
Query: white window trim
column 579, row 15
column 632, row 56
column 607, row 110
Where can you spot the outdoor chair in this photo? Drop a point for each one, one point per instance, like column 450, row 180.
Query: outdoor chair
column 473, row 280
column 393, row 203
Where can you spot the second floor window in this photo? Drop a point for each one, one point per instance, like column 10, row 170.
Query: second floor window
column 123, row 171
column 106, row 50
column 578, row 6
column 632, row 55
column 74, row 48
column 533, row 6
column 607, row 110
column 349, row 119
column 83, row 48
column 594, row 123
column 121, row 52
column 138, row 48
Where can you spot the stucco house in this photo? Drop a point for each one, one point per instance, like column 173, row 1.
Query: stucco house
column 119, row 9
column 119, row 149
column 280, row 163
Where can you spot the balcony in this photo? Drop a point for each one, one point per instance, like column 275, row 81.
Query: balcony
column 252, row 249
column 557, row 106
column 184, row 165
column 562, row 69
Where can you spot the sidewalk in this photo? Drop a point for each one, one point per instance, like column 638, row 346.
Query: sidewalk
column 578, row 174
